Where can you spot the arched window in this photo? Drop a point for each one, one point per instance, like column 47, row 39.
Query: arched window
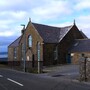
column 30, row 41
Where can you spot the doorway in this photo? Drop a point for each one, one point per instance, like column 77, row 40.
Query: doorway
column 33, row 60
column 68, row 58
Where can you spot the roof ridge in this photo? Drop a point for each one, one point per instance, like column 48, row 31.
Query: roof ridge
column 46, row 25
column 67, row 26
column 52, row 26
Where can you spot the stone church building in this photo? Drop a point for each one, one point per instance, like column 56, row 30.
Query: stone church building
column 48, row 45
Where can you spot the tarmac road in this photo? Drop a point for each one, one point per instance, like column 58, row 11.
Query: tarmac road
column 15, row 80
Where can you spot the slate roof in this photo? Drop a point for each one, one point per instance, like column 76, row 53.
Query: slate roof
column 15, row 43
column 51, row 34
column 80, row 45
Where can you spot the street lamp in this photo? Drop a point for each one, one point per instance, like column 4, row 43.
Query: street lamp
column 24, row 53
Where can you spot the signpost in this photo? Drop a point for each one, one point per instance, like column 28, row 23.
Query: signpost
column 38, row 54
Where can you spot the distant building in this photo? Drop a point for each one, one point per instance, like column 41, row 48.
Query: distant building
column 48, row 44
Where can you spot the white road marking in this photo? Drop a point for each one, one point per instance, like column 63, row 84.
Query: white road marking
column 1, row 75
column 15, row 82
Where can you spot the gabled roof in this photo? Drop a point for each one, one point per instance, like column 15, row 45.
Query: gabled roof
column 15, row 43
column 83, row 35
column 81, row 45
column 51, row 34
column 64, row 31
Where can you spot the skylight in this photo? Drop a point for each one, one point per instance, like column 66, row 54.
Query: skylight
column 76, row 43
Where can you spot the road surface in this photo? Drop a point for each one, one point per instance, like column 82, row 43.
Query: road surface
column 15, row 80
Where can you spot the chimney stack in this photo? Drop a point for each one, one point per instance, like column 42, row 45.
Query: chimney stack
column 22, row 31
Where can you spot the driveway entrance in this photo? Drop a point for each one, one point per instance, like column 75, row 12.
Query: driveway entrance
column 68, row 71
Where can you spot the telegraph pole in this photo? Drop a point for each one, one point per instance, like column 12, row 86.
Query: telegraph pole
column 24, row 53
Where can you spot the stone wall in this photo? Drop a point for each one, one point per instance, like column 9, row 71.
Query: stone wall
column 84, row 69
column 75, row 56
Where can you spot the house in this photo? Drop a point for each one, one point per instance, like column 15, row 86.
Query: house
column 48, row 45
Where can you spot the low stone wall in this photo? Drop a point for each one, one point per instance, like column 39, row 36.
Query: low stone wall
column 84, row 70
column 29, row 65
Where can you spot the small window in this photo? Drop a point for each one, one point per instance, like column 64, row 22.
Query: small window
column 30, row 41
column 56, row 53
column 76, row 44
column 15, row 53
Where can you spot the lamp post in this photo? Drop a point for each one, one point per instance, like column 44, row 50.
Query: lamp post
column 24, row 53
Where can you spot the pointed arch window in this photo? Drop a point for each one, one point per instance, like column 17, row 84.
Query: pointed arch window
column 30, row 41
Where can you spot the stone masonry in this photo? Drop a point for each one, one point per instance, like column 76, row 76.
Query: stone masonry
column 84, row 69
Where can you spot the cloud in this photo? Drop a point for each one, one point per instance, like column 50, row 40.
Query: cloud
column 51, row 9
column 84, row 21
column 10, row 22
column 55, row 12
column 6, row 33
column 17, row 12
column 83, row 4
column 9, row 28
column 10, row 15
column 15, row 5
